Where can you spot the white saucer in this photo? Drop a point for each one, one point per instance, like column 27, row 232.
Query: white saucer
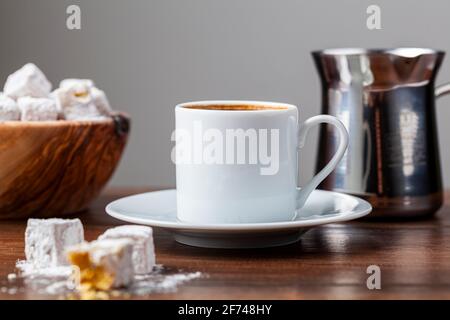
column 158, row 209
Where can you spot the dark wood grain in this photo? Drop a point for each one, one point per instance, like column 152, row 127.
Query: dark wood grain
column 54, row 168
column 329, row 263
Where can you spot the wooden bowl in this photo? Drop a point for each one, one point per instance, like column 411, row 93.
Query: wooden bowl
column 55, row 168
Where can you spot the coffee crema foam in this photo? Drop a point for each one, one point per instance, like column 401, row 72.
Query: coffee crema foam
column 235, row 107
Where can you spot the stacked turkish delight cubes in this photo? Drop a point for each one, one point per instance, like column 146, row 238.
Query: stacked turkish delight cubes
column 27, row 96
column 109, row 262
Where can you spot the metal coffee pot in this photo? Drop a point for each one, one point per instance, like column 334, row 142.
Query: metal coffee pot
column 386, row 99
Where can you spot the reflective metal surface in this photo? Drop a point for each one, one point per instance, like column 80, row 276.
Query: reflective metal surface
column 386, row 99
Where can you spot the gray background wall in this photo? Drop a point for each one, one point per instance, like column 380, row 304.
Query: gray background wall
column 149, row 55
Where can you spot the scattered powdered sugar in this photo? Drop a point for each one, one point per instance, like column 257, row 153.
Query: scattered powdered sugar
column 48, row 281
column 12, row 277
column 29, row 270
column 160, row 283
column 49, row 286
column 59, row 281
column 60, row 287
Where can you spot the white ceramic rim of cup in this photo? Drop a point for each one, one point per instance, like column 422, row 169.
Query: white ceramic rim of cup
column 185, row 105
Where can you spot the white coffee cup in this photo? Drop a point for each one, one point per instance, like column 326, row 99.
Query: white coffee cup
column 237, row 161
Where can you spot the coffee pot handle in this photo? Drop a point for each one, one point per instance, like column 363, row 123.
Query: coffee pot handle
column 442, row 90
column 304, row 192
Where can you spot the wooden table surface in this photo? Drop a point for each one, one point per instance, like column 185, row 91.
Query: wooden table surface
column 329, row 263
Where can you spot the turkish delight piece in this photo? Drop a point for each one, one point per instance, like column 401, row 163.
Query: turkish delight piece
column 143, row 247
column 103, row 264
column 9, row 111
column 37, row 109
column 47, row 239
column 101, row 101
column 27, row 81
column 75, row 102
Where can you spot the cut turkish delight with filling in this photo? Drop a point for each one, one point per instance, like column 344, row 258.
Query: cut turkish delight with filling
column 78, row 99
column 143, row 247
column 103, row 264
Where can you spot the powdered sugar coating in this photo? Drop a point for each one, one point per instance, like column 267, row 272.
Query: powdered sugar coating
column 47, row 239
column 27, row 81
column 37, row 109
column 143, row 246
column 67, row 83
column 101, row 101
column 9, row 111
column 77, row 99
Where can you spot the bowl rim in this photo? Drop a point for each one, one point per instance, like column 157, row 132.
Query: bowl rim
column 54, row 123
column 62, row 122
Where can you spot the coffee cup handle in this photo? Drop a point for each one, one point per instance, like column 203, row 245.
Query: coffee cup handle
column 304, row 192
column 442, row 90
